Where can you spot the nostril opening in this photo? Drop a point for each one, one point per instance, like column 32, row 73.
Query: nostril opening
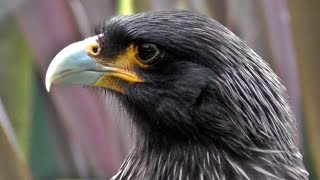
column 93, row 50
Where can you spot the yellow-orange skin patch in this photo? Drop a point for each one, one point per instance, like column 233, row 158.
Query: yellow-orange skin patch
column 108, row 82
column 123, row 66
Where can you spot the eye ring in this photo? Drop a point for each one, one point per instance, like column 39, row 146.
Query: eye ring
column 148, row 53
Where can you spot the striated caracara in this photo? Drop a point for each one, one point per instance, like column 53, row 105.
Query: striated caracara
column 205, row 106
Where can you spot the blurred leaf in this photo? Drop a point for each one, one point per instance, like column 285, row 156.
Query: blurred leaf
column 42, row 158
column 305, row 22
column 14, row 167
column 125, row 7
column 140, row 5
column 15, row 77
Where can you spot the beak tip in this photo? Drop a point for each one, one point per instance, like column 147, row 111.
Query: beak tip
column 48, row 79
column 48, row 84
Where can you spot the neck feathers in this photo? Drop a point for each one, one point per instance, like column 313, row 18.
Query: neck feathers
column 175, row 164
column 202, row 163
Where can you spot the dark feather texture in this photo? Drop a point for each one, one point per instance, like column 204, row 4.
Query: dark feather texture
column 210, row 108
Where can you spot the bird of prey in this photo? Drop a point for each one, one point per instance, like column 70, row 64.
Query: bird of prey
column 204, row 105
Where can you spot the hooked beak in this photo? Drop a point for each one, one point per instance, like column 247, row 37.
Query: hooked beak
column 76, row 64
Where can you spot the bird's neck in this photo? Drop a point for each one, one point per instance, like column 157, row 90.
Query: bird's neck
column 175, row 163
column 194, row 161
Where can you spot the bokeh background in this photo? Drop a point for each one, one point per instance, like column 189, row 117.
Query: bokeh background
column 73, row 132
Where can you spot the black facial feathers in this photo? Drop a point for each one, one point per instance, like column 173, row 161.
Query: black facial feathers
column 210, row 108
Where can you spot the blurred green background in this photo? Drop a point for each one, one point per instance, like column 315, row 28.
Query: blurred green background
column 77, row 133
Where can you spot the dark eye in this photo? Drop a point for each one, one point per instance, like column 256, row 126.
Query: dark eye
column 148, row 53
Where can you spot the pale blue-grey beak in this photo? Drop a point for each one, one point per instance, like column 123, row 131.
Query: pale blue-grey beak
column 73, row 65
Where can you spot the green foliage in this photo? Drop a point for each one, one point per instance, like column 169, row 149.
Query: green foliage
column 42, row 159
column 125, row 7
column 15, row 79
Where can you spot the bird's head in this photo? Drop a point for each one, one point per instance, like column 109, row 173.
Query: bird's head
column 182, row 76
column 192, row 86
